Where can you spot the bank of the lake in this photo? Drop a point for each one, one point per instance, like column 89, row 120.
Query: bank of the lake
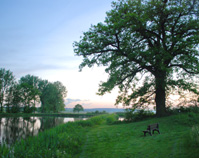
column 46, row 114
column 13, row 129
column 101, row 137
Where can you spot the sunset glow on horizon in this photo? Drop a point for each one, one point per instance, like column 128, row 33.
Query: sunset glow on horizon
column 37, row 39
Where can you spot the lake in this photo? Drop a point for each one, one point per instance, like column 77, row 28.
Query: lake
column 16, row 128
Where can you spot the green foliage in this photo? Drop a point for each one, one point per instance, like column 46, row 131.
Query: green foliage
column 78, row 108
column 29, row 91
column 104, row 119
column 65, row 140
column 53, row 97
column 129, row 114
column 7, row 80
column 142, row 44
column 5, row 151
column 138, row 115
column 15, row 109
column 178, row 138
column 183, row 109
column 28, row 109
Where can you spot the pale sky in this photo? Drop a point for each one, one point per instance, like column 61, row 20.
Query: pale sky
column 36, row 38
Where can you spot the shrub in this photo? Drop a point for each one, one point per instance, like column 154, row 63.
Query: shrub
column 183, row 109
column 112, row 118
column 87, row 123
column 28, row 109
column 129, row 114
column 15, row 109
column 132, row 115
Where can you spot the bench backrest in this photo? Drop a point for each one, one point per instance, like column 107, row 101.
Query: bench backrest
column 153, row 126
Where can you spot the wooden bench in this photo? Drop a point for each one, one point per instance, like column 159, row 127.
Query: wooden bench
column 151, row 129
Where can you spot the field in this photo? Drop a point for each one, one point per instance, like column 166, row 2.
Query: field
column 127, row 140
column 102, row 137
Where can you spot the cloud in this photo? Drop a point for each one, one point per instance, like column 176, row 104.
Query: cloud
column 88, row 104
column 69, row 101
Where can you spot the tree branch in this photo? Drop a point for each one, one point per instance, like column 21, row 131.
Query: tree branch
column 182, row 67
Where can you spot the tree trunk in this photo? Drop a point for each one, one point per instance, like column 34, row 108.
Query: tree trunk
column 1, row 103
column 160, row 98
column 1, row 107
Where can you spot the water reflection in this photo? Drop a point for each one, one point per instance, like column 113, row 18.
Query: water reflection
column 13, row 129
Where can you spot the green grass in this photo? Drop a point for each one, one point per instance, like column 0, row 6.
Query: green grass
column 127, row 140
column 100, row 137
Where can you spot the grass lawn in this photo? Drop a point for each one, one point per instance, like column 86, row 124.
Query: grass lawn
column 128, row 141
column 99, row 137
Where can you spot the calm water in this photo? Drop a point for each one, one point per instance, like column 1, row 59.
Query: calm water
column 13, row 129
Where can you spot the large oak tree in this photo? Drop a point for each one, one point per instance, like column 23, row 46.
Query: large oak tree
column 153, row 41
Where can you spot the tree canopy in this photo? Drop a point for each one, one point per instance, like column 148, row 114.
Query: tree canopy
column 28, row 92
column 148, row 47
column 78, row 108
column 6, row 81
column 53, row 97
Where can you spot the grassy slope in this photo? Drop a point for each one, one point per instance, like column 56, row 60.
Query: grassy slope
column 127, row 140
column 94, row 138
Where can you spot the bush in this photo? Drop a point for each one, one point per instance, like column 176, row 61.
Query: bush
column 110, row 119
column 15, row 109
column 129, row 114
column 183, row 109
column 28, row 109
column 87, row 123
column 132, row 115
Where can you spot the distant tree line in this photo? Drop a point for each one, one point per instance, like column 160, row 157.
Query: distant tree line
column 29, row 91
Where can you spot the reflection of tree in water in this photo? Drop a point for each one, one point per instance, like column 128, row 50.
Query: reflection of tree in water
column 50, row 122
column 78, row 118
column 15, row 128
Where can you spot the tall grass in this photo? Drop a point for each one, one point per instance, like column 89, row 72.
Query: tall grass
column 195, row 135
column 62, row 141
column 5, row 151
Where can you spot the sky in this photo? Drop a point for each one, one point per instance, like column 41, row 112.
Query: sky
column 37, row 36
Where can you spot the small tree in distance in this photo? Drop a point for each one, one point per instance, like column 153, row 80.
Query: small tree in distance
column 78, row 108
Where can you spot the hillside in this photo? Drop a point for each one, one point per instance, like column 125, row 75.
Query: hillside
column 102, row 137
column 128, row 141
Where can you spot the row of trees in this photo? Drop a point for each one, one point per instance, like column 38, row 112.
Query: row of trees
column 29, row 92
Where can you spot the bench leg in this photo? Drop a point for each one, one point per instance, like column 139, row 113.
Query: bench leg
column 156, row 130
